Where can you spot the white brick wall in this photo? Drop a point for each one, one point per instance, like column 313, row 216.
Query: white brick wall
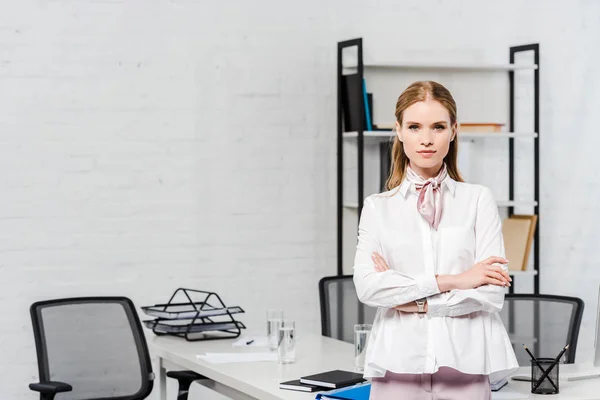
column 147, row 145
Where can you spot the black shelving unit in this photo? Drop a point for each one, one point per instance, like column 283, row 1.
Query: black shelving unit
column 360, row 134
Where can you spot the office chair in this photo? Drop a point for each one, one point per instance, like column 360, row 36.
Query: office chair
column 544, row 323
column 94, row 348
column 341, row 309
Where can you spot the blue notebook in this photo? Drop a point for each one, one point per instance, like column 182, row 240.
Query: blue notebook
column 368, row 126
column 357, row 392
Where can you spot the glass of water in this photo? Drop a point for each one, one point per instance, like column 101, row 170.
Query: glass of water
column 362, row 332
column 286, row 350
column 273, row 318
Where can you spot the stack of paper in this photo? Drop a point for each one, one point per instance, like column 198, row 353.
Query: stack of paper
column 222, row 358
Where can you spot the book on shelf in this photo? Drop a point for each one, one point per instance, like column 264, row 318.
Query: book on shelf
column 479, row 127
column 385, row 127
column 518, row 231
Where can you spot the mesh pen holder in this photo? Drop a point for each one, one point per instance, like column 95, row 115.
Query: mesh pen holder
column 542, row 380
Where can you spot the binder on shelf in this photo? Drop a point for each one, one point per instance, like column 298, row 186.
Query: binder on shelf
column 204, row 318
column 518, row 231
column 368, row 126
column 353, row 93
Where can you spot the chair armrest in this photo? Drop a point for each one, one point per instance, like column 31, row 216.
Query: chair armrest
column 184, row 375
column 50, row 387
column 185, row 379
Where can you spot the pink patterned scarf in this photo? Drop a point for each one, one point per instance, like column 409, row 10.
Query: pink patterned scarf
column 430, row 191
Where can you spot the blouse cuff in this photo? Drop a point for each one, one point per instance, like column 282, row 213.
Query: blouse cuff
column 428, row 285
column 436, row 306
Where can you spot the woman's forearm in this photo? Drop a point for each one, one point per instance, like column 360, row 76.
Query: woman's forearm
column 446, row 283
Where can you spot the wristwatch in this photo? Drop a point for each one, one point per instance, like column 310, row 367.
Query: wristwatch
column 421, row 304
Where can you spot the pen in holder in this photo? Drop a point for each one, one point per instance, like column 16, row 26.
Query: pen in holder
column 544, row 376
column 544, row 373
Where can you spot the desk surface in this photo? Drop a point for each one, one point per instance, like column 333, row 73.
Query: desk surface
column 261, row 380
column 314, row 354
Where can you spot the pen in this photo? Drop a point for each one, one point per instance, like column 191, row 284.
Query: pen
column 545, row 374
column 530, row 355
column 250, row 342
column 535, row 360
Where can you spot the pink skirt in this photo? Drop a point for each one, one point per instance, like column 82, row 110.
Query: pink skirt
column 446, row 384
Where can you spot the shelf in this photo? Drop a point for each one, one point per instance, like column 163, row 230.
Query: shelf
column 384, row 136
column 499, row 203
column 516, row 203
column 445, row 66
column 375, row 143
column 370, row 134
column 496, row 135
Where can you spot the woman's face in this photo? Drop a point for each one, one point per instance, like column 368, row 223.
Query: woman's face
column 426, row 134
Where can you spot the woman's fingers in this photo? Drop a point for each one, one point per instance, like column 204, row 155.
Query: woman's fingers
column 380, row 264
column 494, row 259
column 376, row 262
column 501, row 271
column 497, row 276
column 492, row 281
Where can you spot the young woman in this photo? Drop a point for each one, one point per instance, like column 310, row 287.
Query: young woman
column 430, row 257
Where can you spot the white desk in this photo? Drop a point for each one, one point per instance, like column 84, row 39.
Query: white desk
column 259, row 380
column 313, row 354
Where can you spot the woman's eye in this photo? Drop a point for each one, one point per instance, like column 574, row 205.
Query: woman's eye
column 439, row 127
column 413, row 127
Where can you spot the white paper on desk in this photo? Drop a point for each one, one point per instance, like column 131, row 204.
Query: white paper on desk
column 258, row 341
column 503, row 394
column 223, row 358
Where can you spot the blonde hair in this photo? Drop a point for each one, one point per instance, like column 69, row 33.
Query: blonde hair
column 421, row 91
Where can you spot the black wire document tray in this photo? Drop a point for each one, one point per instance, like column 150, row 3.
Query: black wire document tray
column 196, row 315
column 187, row 311
column 183, row 326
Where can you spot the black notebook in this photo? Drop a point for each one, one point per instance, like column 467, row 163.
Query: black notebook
column 296, row 385
column 333, row 379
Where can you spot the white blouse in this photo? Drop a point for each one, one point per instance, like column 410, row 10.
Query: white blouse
column 462, row 328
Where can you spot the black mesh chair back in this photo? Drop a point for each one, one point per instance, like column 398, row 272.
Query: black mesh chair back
column 96, row 345
column 340, row 308
column 544, row 323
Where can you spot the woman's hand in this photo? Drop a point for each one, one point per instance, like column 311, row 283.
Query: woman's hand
column 380, row 264
column 483, row 273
